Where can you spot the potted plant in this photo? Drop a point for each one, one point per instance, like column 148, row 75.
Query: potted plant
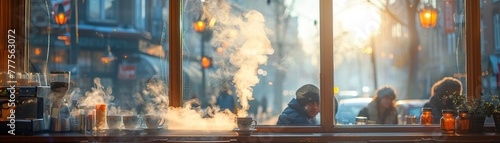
column 478, row 110
column 493, row 109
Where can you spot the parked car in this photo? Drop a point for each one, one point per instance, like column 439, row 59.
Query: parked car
column 409, row 107
column 349, row 110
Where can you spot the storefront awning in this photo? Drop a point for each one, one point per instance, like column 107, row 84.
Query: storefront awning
column 160, row 66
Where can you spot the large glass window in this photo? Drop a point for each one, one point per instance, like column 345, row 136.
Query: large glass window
column 490, row 58
column 389, row 54
column 252, row 58
column 127, row 61
column 259, row 53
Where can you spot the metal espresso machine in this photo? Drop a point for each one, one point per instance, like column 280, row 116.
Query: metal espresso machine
column 23, row 107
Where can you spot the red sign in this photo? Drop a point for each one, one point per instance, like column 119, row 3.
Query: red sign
column 126, row 72
column 65, row 3
column 448, row 12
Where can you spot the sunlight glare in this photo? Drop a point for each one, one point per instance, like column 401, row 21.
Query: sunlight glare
column 363, row 20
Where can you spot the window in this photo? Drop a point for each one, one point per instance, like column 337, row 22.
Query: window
column 102, row 10
column 490, row 34
column 140, row 9
column 257, row 63
column 368, row 58
column 292, row 52
column 124, row 58
column 496, row 26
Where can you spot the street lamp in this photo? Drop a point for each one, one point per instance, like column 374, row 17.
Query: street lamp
column 428, row 17
column 199, row 26
column 206, row 62
column 60, row 16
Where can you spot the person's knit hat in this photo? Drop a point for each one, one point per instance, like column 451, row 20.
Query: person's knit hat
column 384, row 92
column 307, row 94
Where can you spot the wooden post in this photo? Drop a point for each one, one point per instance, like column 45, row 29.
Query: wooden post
column 12, row 17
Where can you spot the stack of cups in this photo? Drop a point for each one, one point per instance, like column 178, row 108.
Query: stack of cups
column 26, row 79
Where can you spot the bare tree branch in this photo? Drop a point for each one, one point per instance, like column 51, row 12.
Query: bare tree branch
column 387, row 11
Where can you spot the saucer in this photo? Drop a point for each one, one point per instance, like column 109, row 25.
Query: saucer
column 244, row 132
column 153, row 131
column 113, row 131
column 133, row 131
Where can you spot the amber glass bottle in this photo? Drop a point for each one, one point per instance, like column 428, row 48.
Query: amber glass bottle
column 462, row 122
column 426, row 118
column 447, row 122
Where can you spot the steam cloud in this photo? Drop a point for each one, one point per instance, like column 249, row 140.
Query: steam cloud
column 97, row 95
column 158, row 97
column 245, row 43
column 243, row 37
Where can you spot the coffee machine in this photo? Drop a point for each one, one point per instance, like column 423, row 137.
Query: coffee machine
column 23, row 109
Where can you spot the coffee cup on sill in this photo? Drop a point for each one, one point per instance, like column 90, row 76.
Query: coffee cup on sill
column 245, row 123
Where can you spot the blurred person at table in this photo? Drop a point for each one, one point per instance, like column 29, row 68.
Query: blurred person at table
column 303, row 109
column 382, row 109
column 253, row 109
column 437, row 101
column 264, row 104
column 225, row 100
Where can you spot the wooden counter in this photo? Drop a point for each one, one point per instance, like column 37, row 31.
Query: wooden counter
column 230, row 136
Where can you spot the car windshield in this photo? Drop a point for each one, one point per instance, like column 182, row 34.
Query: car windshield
column 349, row 109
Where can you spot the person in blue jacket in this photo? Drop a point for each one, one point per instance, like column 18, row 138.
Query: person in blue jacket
column 303, row 109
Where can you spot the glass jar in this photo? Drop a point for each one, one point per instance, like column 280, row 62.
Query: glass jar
column 361, row 120
column 426, row 118
column 462, row 122
column 447, row 122
column 411, row 119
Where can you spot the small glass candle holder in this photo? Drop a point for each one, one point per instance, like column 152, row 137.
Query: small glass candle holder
column 361, row 120
column 462, row 122
column 411, row 119
column 447, row 122
column 426, row 118
column 22, row 79
column 3, row 80
column 34, row 79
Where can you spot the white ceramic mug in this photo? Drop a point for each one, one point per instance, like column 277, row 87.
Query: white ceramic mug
column 153, row 121
column 131, row 121
column 114, row 121
column 245, row 123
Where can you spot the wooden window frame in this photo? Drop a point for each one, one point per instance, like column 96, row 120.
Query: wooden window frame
column 473, row 63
